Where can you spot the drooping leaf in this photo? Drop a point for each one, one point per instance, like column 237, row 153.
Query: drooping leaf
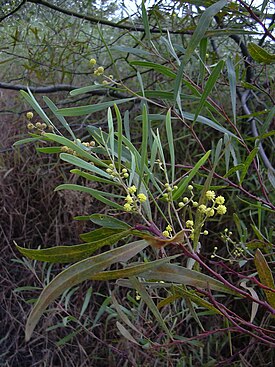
column 150, row 303
column 265, row 276
column 259, row 54
column 78, row 162
column 181, row 275
column 93, row 178
column 108, row 222
column 99, row 234
column 99, row 195
column 85, row 110
column 157, row 67
column 78, row 273
column 73, row 253
column 179, row 292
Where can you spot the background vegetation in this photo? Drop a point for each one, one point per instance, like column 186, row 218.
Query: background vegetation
column 228, row 78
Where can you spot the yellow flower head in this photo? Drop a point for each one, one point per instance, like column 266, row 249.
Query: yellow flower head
column 221, row 209
column 202, row 208
column 165, row 233
column 127, row 207
column 210, row 212
column 169, row 228
column 92, row 62
column 189, row 224
column 30, row 126
column 29, row 115
column 100, row 70
column 142, row 198
column 132, row 189
column 220, row 200
column 210, row 195
column 129, row 199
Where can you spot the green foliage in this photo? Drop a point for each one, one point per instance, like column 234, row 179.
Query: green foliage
column 171, row 166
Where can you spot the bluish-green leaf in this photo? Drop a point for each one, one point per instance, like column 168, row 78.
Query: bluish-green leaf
column 72, row 253
column 197, row 36
column 85, row 110
column 185, row 181
column 78, row 273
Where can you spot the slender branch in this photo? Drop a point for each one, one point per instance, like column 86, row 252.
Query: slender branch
column 59, row 88
column 104, row 21
column 258, row 20
column 232, row 184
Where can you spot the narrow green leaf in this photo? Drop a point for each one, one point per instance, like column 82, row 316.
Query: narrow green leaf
column 125, row 333
column 93, row 178
column 78, row 162
column 79, row 149
column 208, row 122
column 265, row 127
column 132, row 270
column 25, row 141
column 64, row 123
column 247, row 163
column 170, row 140
column 85, row 110
column 95, row 193
column 72, row 253
column 185, row 181
column 179, row 293
column 106, row 221
column 145, row 21
column 233, row 85
column 265, row 276
column 150, row 303
column 87, row 89
column 259, row 54
column 237, row 168
column 209, row 86
column 178, row 274
column 111, row 136
column 197, row 36
column 203, row 50
column 49, row 150
column 122, row 314
column 35, row 105
column 157, row 67
column 119, row 136
column 144, row 145
column 99, row 234
column 86, row 301
column 78, row 273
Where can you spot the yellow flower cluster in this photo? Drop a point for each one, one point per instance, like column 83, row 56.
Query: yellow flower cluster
column 113, row 172
column 167, row 196
column 89, row 144
column 99, row 71
column 133, row 200
column 38, row 127
column 167, row 232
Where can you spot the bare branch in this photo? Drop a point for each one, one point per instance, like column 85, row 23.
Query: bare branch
column 104, row 21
